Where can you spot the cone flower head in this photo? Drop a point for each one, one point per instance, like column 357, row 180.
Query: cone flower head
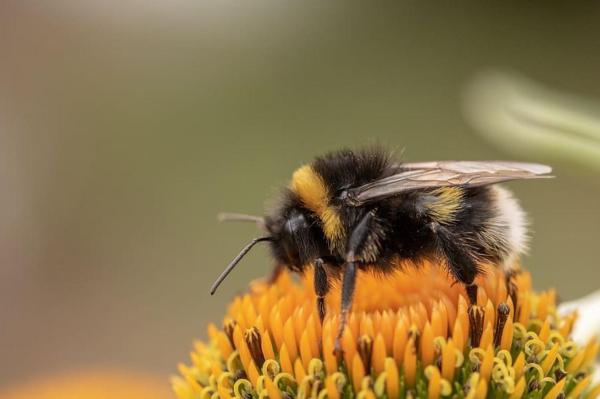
column 411, row 334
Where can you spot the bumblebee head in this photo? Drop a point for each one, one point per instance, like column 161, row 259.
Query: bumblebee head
column 297, row 238
column 293, row 233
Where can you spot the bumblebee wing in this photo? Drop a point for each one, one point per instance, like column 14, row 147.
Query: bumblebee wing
column 480, row 166
column 425, row 175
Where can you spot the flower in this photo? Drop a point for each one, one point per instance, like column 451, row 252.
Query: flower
column 410, row 334
column 97, row 384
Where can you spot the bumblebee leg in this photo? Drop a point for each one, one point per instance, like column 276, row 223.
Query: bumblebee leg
column 460, row 262
column 471, row 293
column 348, row 285
column 359, row 235
column 321, row 287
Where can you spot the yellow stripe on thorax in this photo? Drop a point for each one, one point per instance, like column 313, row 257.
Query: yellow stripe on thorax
column 313, row 193
column 447, row 203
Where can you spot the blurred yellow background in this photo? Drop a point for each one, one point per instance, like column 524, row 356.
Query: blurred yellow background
column 126, row 126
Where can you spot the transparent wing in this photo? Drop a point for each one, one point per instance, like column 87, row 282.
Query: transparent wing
column 480, row 166
column 423, row 175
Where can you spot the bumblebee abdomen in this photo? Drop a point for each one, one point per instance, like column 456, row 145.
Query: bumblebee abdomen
column 491, row 224
column 445, row 205
column 506, row 231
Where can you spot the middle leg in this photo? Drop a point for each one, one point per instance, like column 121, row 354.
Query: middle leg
column 348, row 285
column 358, row 237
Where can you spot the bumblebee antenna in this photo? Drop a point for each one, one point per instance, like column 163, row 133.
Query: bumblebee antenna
column 235, row 261
column 240, row 217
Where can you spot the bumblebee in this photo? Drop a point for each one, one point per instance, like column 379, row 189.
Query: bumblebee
column 359, row 210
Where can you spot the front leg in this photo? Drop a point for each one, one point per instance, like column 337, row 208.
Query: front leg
column 358, row 237
column 321, row 287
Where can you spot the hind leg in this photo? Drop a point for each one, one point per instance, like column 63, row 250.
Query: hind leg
column 471, row 293
column 460, row 261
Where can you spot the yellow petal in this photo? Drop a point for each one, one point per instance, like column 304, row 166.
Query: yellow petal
column 410, row 364
column 427, row 346
column 580, row 387
column 358, row 372
column 519, row 389
column 379, row 354
column 393, row 380
column 556, row 390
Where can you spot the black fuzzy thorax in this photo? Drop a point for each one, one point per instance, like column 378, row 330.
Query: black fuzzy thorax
column 344, row 169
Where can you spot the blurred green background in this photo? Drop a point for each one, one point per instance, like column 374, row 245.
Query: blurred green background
column 126, row 126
